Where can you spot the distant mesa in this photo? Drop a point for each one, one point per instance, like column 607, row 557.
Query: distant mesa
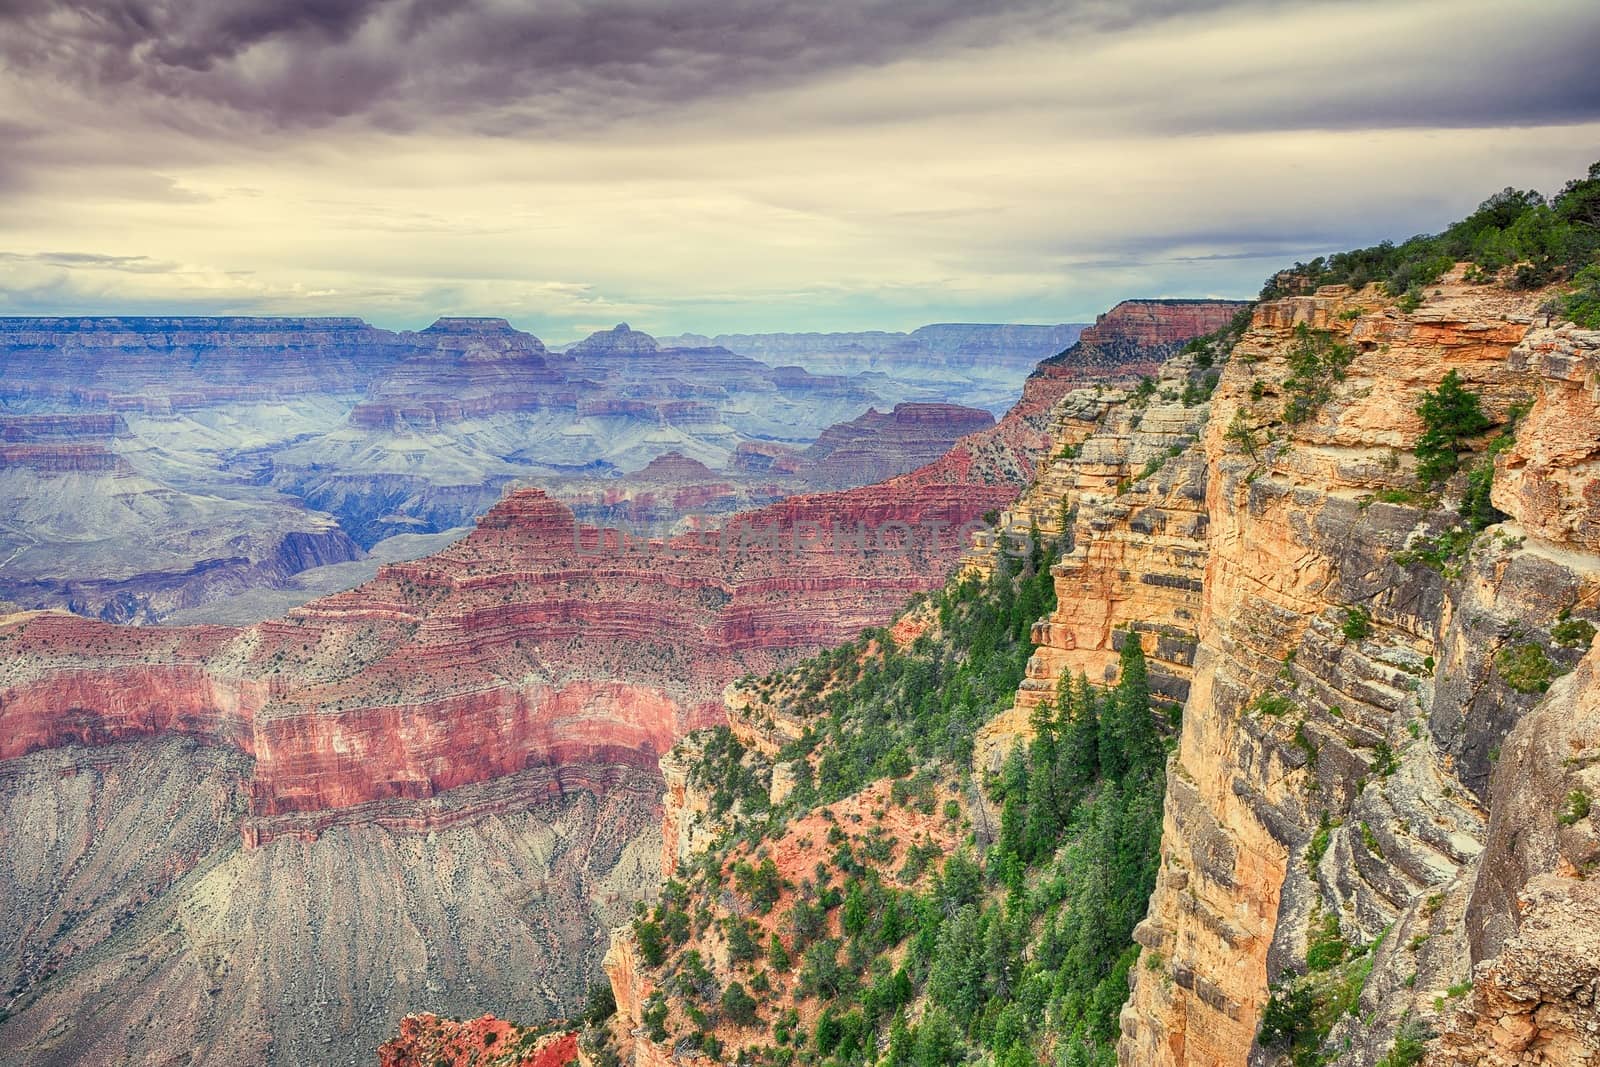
column 674, row 467
column 481, row 337
column 620, row 340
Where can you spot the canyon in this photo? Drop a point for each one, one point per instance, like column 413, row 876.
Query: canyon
column 360, row 768
column 1376, row 844
column 1370, row 842
column 227, row 469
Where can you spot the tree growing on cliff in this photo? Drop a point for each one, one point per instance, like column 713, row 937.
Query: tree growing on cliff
column 1450, row 415
column 738, row 1005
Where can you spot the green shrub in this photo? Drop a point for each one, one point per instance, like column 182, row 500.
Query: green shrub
column 1576, row 808
column 1273, row 704
column 1319, row 841
column 738, row 1005
column 1325, row 944
column 1410, row 1045
column 1357, row 624
column 1438, row 553
column 1525, row 668
column 1572, row 633
column 1385, row 761
column 1450, row 415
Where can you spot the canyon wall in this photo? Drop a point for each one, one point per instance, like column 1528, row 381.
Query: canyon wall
column 1378, row 815
column 159, row 465
column 1357, row 676
column 161, row 365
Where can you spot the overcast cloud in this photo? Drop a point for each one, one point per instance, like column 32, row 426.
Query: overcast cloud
column 708, row 166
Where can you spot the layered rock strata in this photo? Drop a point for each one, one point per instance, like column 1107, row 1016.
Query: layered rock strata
column 1357, row 672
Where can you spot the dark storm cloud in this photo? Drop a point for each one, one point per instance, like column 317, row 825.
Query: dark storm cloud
column 1533, row 66
column 401, row 62
column 495, row 66
column 230, row 67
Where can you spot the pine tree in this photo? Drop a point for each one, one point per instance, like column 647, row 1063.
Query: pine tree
column 777, row 955
column 1450, row 414
column 1043, row 822
column 1080, row 750
column 1128, row 737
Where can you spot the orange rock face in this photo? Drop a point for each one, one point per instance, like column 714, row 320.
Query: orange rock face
column 429, row 1041
column 1547, row 477
column 1307, row 522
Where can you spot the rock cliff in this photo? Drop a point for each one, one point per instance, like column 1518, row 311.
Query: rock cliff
column 161, row 365
column 1376, row 836
column 1362, row 658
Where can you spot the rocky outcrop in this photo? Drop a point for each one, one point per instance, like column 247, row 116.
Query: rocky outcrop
column 1135, row 337
column 1534, row 1001
column 620, row 341
column 1351, row 688
column 463, row 368
column 62, row 444
column 877, row 446
column 1530, row 915
column 1126, row 490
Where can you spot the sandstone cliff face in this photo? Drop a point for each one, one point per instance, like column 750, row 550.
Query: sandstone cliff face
column 1351, row 689
column 1530, row 917
column 1126, row 488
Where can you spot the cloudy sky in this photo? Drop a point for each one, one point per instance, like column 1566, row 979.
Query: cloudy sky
column 761, row 165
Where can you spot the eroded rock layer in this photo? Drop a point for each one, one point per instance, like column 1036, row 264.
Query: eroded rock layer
column 153, row 923
column 1361, row 661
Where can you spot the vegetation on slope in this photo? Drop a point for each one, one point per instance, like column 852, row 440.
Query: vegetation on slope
column 1516, row 237
column 1016, row 943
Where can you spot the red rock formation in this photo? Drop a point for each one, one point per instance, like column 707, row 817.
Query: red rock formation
column 429, row 1041
column 529, row 644
column 879, row 445
column 1130, row 340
